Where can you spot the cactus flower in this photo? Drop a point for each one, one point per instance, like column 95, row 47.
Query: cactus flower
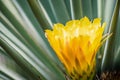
column 76, row 44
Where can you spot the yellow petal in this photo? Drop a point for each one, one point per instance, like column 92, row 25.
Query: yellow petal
column 76, row 44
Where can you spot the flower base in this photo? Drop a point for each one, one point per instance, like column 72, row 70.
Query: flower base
column 113, row 75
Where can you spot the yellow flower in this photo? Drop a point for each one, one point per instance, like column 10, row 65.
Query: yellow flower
column 76, row 45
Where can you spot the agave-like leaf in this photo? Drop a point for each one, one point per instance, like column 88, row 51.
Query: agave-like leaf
column 81, row 8
column 76, row 9
column 12, row 46
column 26, row 43
column 112, row 18
column 9, row 70
column 48, row 15
column 116, row 46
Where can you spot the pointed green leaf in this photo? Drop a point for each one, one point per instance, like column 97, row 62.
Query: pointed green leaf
column 111, row 28
column 29, row 46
